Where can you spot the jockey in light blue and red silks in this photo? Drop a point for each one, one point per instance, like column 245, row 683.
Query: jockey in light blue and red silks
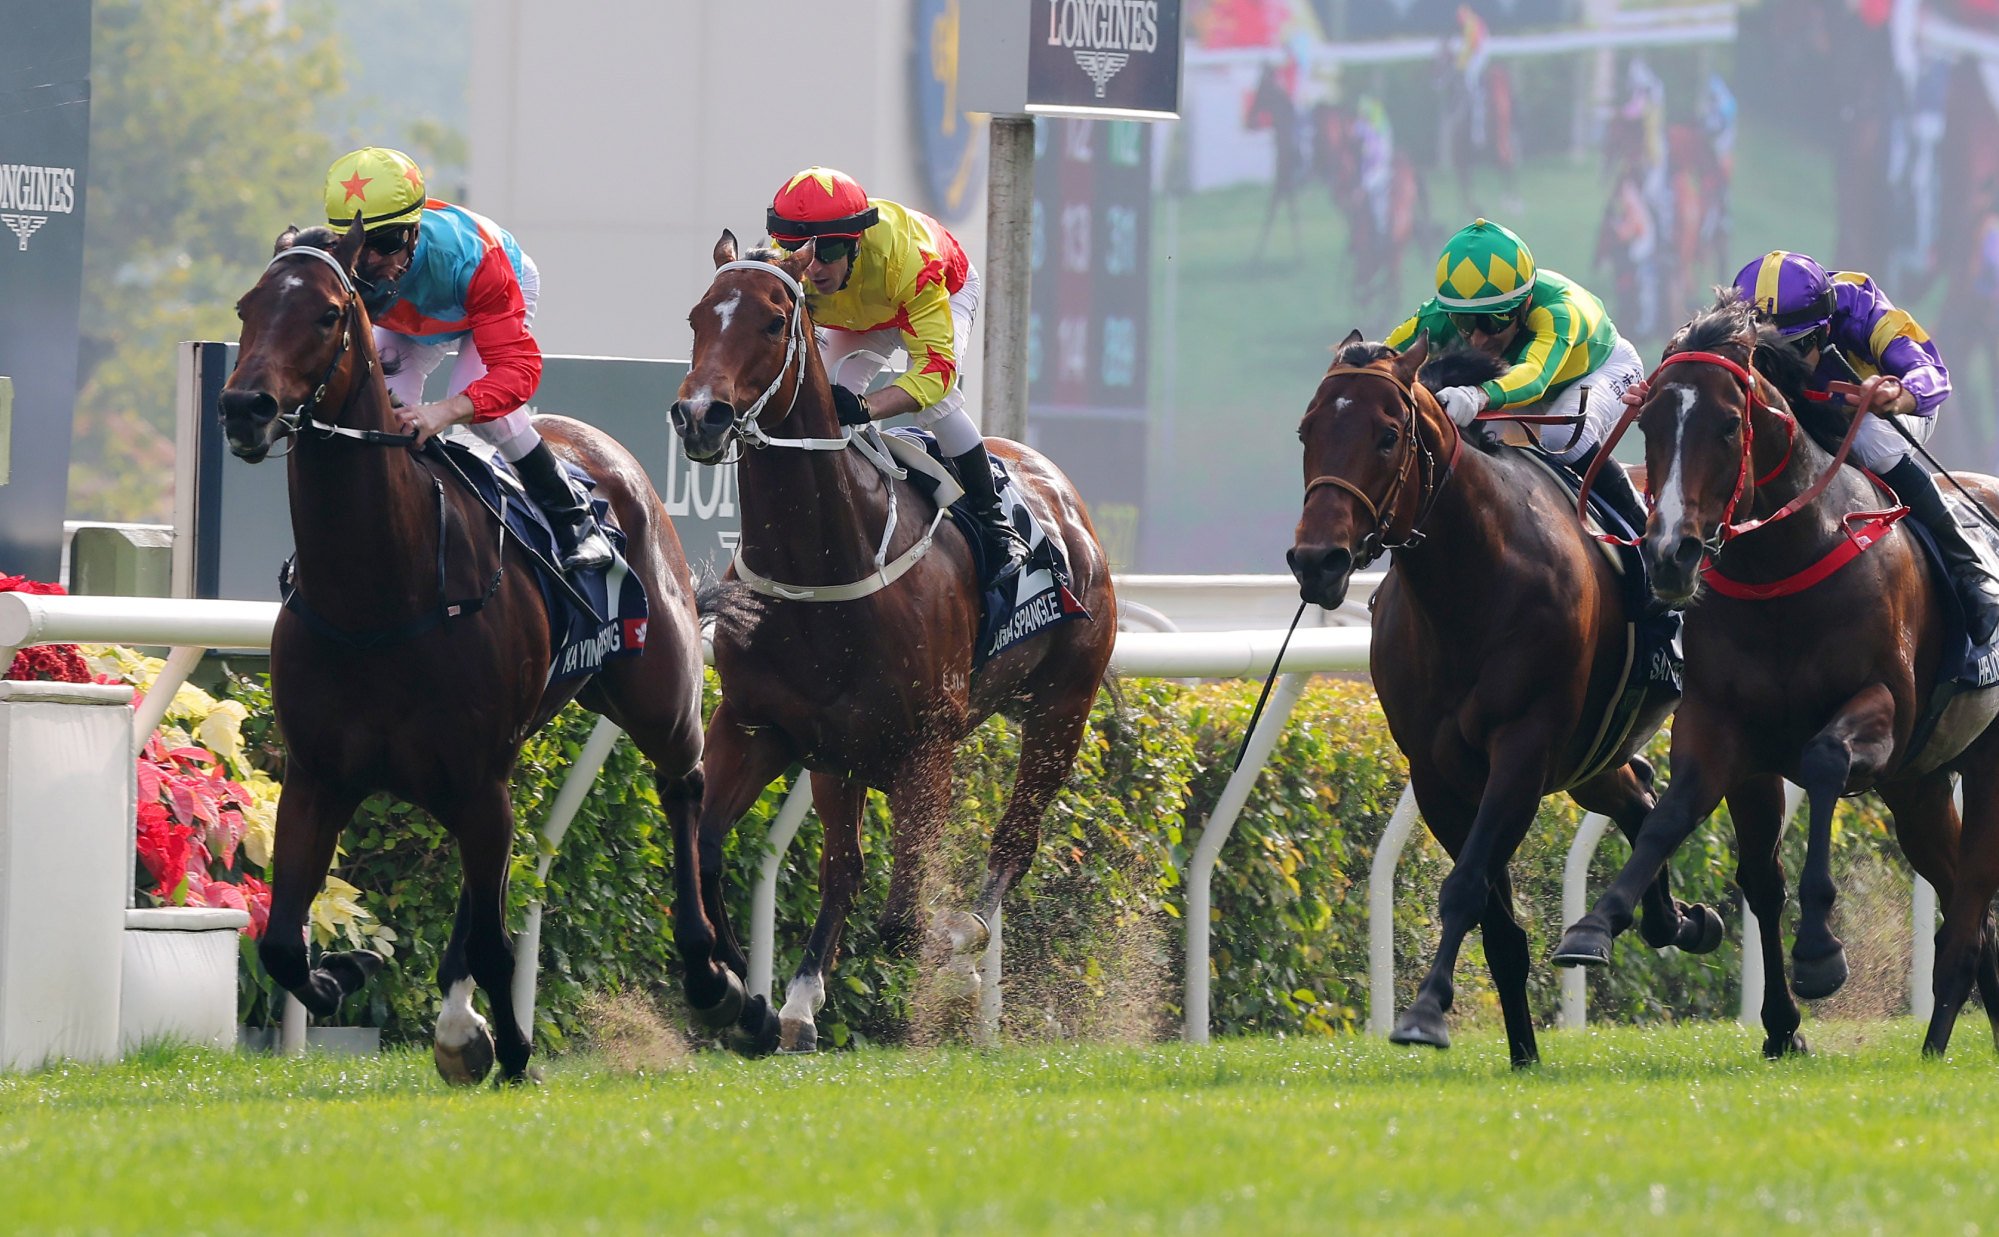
column 1847, row 330
column 432, row 275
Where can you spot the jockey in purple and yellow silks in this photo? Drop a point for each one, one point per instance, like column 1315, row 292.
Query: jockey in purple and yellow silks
column 882, row 277
column 433, row 275
column 1846, row 329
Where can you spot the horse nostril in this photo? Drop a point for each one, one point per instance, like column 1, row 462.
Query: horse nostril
column 678, row 415
column 256, row 406
column 719, row 414
column 1687, row 554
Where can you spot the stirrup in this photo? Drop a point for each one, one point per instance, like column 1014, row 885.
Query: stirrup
column 591, row 551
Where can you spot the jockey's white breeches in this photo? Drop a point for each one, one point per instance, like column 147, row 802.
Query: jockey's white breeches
column 1877, row 447
column 407, row 362
column 1606, row 385
column 853, row 358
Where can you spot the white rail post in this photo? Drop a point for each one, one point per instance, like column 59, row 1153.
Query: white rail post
column 1575, row 901
column 527, row 946
column 146, row 718
column 989, row 985
column 1381, row 915
column 1220, row 824
column 291, row 1027
column 1923, row 933
column 763, row 902
column 1752, row 944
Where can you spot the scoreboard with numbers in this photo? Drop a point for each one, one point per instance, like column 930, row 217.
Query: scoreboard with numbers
column 1088, row 337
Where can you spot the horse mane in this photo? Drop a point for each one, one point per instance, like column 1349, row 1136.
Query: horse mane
column 1732, row 320
column 1461, row 367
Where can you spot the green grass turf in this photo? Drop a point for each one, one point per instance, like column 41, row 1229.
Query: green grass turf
column 1619, row 1131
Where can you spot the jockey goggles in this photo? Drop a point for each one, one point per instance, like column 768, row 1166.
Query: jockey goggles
column 1488, row 324
column 828, row 249
column 389, row 241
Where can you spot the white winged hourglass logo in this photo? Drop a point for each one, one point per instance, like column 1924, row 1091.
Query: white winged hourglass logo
column 1101, row 66
column 23, row 226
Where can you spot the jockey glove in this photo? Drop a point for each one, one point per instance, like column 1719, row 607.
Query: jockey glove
column 1462, row 404
column 852, row 409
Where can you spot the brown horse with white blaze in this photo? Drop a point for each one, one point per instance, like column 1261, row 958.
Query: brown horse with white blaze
column 1500, row 643
column 384, row 681
column 1807, row 659
column 859, row 667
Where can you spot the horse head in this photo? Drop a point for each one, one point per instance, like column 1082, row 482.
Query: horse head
column 753, row 346
column 1704, row 411
column 1363, row 440
column 300, row 327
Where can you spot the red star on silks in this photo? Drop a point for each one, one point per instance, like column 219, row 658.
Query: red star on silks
column 932, row 272
column 935, row 362
column 354, row 186
column 413, row 176
column 900, row 322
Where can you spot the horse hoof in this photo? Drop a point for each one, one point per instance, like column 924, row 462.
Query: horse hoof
column 1776, row 1048
column 1420, row 1026
column 1584, row 944
column 756, row 1033
column 466, row 1064
column 352, row 969
column 728, row 1010
column 797, row 1037
column 1700, row 930
column 529, row 1077
column 1814, row 979
column 957, row 932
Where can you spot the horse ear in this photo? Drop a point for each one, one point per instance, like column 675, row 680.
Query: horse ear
column 349, row 248
column 1412, row 358
column 1353, row 337
column 285, row 240
column 725, row 248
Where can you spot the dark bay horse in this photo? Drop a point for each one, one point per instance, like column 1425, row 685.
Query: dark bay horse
column 1819, row 682
column 1499, row 645
column 378, row 688
column 871, row 691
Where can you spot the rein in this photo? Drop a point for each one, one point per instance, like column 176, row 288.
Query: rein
column 1861, row 528
column 866, row 440
column 1435, row 476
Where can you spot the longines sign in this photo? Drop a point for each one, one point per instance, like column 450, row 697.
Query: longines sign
column 1104, row 58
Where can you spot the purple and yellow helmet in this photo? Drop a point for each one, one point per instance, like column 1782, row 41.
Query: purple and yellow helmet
column 1789, row 290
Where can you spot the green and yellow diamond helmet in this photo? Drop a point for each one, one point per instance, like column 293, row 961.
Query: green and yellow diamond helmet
column 385, row 185
column 1484, row 269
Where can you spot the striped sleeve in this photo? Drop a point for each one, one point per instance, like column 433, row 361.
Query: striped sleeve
column 1556, row 331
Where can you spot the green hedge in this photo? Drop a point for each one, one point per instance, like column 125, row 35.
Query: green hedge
column 1093, row 935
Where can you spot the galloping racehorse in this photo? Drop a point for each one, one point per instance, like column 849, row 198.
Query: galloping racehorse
column 1500, row 646
column 859, row 665
column 1807, row 659
column 383, row 679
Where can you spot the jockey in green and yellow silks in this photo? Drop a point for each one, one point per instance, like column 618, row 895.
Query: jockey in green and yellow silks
column 1557, row 338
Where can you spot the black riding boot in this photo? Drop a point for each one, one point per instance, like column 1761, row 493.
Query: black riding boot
column 1614, row 484
column 1977, row 589
column 1005, row 551
column 579, row 543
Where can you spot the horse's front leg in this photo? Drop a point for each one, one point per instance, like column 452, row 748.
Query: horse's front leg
column 1854, row 747
column 1624, row 794
column 1701, row 771
column 839, row 802
column 736, row 766
column 310, row 818
column 1756, row 806
column 464, row 1045
column 1513, row 790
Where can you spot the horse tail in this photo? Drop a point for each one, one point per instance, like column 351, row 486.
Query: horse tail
column 727, row 605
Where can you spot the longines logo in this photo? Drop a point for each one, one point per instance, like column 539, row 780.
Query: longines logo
column 30, row 194
column 1102, row 34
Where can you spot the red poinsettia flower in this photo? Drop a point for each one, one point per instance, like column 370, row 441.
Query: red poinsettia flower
column 257, row 900
column 58, row 663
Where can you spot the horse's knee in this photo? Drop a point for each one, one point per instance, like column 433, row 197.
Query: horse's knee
column 1825, row 763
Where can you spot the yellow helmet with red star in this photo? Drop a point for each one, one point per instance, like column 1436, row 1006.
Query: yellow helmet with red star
column 820, row 202
column 385, row 185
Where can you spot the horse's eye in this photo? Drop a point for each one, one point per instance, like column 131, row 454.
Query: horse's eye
column 775, row 326
column 330, row 318
column 1730, row 425
column 1389, row 437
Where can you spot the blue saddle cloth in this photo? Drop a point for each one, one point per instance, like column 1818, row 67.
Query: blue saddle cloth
column 593, row 615
column 1024, row 603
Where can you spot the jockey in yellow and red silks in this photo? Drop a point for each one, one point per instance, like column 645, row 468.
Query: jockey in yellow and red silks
column 433, row 275
column 881, row 277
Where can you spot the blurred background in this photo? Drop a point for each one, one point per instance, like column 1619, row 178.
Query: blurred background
column 1189, row 277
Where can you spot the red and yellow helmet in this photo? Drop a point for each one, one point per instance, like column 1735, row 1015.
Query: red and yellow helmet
column 820, row 202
